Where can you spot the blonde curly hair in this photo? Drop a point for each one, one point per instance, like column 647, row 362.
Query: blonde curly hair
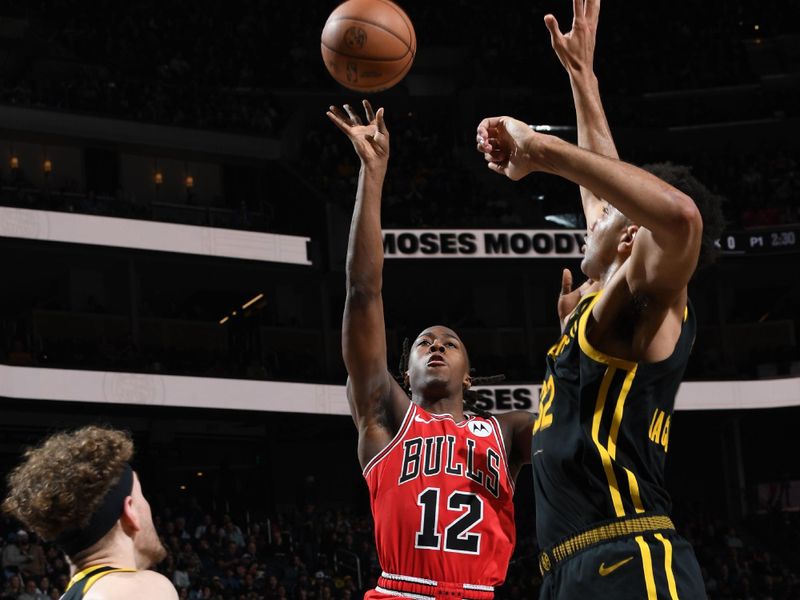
column 61, row 483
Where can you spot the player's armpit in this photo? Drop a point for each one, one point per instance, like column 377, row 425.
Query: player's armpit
column 517, row 433
column 378, row 400
column 378, row 412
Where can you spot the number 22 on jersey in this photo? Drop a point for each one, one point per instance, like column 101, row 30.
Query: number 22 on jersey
column 545, row 417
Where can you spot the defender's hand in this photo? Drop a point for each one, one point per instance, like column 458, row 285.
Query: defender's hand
column 509, row 146
column 568, row 299
column 575, row 49
column 371, row 141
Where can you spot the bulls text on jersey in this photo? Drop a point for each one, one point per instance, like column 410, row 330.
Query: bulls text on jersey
column 430, row 456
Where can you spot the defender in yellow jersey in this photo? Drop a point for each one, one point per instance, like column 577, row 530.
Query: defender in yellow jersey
column 599, row 455
column 602, row 434
column 78, row 491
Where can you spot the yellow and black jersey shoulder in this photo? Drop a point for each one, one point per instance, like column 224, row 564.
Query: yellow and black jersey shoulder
column 82, row 581
column 602, row 433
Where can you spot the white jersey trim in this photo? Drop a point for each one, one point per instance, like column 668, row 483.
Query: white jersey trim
column 478, row 588
column 409, row 579
column 498, row 436
column 442, row 417
column 432, row 583
column 402, row 594
column 404, row 426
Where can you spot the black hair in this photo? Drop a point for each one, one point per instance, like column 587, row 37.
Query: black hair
column 471, row 397
column 708, row 203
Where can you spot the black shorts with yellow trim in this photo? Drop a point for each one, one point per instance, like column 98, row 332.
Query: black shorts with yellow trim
column 647, row 566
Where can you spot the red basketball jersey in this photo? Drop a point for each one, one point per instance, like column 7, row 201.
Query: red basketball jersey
column 442, row 502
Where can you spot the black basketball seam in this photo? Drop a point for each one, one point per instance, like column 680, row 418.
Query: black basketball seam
column 405, row 17
column 364, row 57
column 379, row 26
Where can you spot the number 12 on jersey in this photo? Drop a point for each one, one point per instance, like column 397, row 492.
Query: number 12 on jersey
column 457, row 536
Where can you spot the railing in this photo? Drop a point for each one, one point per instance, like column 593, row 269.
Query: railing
column 349, row 562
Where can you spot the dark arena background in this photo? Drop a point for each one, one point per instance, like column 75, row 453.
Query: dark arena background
column 174, row 209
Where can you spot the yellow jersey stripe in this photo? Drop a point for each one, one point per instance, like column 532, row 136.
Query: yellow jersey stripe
column 81, row 574
column 608, row 467
column 92, row 579
column 590, row 350
column 616, row 421
column 673, row 589
column 647, row 566
column 618, row 410
column 636, row 497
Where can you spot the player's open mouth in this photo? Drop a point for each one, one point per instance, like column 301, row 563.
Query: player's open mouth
column 436, row 361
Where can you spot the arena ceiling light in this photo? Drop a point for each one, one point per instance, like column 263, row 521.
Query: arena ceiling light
column 568, row 220
column 252, row 301
column 553, row 128
column 245, row 306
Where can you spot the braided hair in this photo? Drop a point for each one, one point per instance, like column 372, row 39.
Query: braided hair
column 471, row 397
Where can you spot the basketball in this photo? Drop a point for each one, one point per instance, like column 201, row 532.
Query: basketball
column 368, row 45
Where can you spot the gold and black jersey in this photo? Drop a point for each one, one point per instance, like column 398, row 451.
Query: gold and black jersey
column 602, row 434
column 82, row 581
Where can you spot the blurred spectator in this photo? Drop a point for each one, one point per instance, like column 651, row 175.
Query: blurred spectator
column 12, row 588
column 32, row 592
column 35, row 563
column 13, row 557
column 305, row 559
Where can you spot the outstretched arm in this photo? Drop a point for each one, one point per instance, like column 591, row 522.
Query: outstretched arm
column 376, row 401
column 667, row 244
column 575, row 50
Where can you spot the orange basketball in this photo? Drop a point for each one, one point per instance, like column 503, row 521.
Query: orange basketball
column 368, row 45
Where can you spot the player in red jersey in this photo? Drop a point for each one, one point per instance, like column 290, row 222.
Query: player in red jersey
column 440, row 482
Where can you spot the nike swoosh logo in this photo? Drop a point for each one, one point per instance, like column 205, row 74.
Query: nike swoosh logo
column 419, row 419
column 604, row 570
column 538, row 452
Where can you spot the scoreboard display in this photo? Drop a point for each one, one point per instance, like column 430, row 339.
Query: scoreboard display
column 762, row 241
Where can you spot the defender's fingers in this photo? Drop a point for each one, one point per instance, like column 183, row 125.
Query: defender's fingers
column 578, row 9
column 552, row 26
column 486, row 131
column 489, row 124
column 566, row 282
column 492, row 147
column 593, row 10
column 497, row 167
